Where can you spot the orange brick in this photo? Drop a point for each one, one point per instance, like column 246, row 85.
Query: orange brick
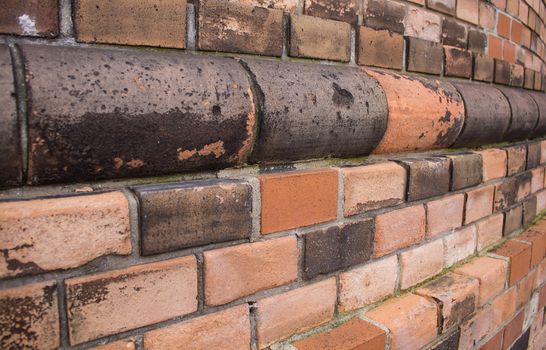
column 494, row 45
column 503, row 25
column 124, row 344
column 476, row 329
column 459, row 245
column 420, row 263
column 537, row 239
column 500, row 4
column 29, row 317
column 512, row 331
column 444, row 214
column 516, row 31
column 494, row 343
column 227, row 329
column 479, row 203
column 519, row 254
column 115, row 301
column 355, row 334
column 373, row 186
column 491, row 273
column 411, row 319
column 503, row 307
column 509, row 52
column 298, row 199
column 468, row 10
column 494, row 163
column 489, row 230
column 525, row 288
column 276, row 318
column 398, row 229
column 234, row 272
column 62, row 233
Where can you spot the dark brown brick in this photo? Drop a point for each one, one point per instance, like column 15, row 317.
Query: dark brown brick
column 516, row 75
column 319, row 38
column 337, row 247
column 385, row 14
column 380, row 48
column 444, row 6
column 451, row 342
column 512, row 220
column 516, row 158
column 346, row 10
column 454, row 33
column 235, row 27
column 424, row 56
column 522, row 342
column 145, row 113
column 523, row 185
column 350, row 105
column 505, row 194
column 177, row 216
column 484, row 68
column 487, row 115
column 529, row 210
column 458, row 62
column 502, row 72
column 533, row 155
column 428, row 177
column 30, row 17
column 477, row 41
column 529, row 78
column 10, row 155
column 524, row 114
column 540, row 100
column 466, row 170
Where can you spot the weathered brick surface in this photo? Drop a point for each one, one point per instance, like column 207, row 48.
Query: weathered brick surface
column 428, row 177
column 418, row 264
column 235, row 27
column 380, row 48
column 522, row 342
column 512, row 331
column 145, row 22
column 413, row 126
column 540, row 129
column 537, row 238
column 491, row 273
column 509, row 54
column 448, row 343
column 234, row 272
column 111, row 137
column 503, row 307
column 494, row 163
column 410, row 318
column 29, row 317
column 276, row 318
column 523, row 185
column 487, row 15
column 115, row 301
column 424, row 56
column 445, row 6
column 444, row 214
column 61, row 233
column 502, row 72
column 537, row 180
column 228, row 329
column 346, row 11
column 479, row 203
column 319, row 38
column 291, row 200
column 337, row 247
column 525, row 288
column 373, row 186
column 385, row 15
column 466, row 170
column 350, row 105
column 524, row 114
column 124, row 344
column 513, row 220
column 528, row 78
column 484, row 68
column 516, row 75
column 519, row 254
column 30, row 18
column 505, row 194
column 425, row 25
column 458, row 62
column 398, row 229
column 477, row 41
column 533, row 155
column 454, row 33
column 477, row 329
column 529, row 210
column 489, row 230
column 516, row 157
column 194, row 213
column 494, row 48
column 457, row 297
column 367, row 284
column 467, row 10
column 459, row 245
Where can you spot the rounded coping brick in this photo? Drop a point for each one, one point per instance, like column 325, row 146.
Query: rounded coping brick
column 524, row 114
column 424, row 114
column 107, row 113
column 314, row 111
column 540, row 100
column 487, row 115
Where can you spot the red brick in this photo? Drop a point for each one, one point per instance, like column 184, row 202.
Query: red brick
column 519, row 254
column 541, row 273
column 512, row 7
column 487, row 15
column 380, row 48
column 509, row 52
column 276, row 318
column 444, row 214
column 468, row 10
column 500, row 4
column 489, row 230
column 298, row 199
column 458, row 62
column 124, row 344
column 373, row 186
column 355, row 334
column 541, row 201
column 523, row 12
column 385, row 15
column 62, row 233
column 494, row 343
column 234, row 272
column 459, row 245
column 491, row 273
column 115, row 301
column 456, row 295
column 30, row 17
column 127, row 22
column 494, row 46
column 479, row 203
column 421, row 263
column 503, row 25
column 537, row 239
column 29, row 317
column 398, row 229
column 411, row 319
column 525, row 288
column 516, row 31
column 476, row 329
column 227, row 329
column 503, row 307
column 319, row 38
column 512, row 331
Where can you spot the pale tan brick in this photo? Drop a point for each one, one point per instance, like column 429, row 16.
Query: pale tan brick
column 444, row 214
column 124, row 344
column 459, row 245
column 492, row 275
column 420, row 263
column 541, row 201
column 537, row 180
column 489, row 230
column 423, row 24
column 494, row 163
column 479, row 203
column 476, row 329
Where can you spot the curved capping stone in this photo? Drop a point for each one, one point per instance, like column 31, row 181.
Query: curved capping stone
column 524, row 114
column 10, row 155
column 105, row 113
column 424, row 113
column 314, row 111
column 540, row 99
column 487, row 115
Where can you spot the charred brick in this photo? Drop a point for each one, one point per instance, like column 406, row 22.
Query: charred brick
column 466, row 170
column 424, row 56
column 454, row 33
column 345, row 11
column 458, row 62
column 484, row 68
column 533, row 155
column 428, row 177
column 477, row 41
column 529, row 210
column 385, row 14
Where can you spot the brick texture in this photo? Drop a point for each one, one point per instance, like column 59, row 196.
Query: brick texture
column 418, row 264
column 466, row 170
column 458, row 62
column 454, row 33
column 494, row 163
column 385, row 15
column 444, row 214
column 537, row 238
column 484, row 68
column 489, row 230
column 380, row 48
column 428, row 177
column 519, row 254
column 424, row 56
column 479, row 203
column 459, row 245
column 467, row 10
column 491, row 273
column 345, row 11
column 32, row 18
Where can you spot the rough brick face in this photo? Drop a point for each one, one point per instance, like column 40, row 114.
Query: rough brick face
column 411, row 320
column 487, row 15
column 373, row 186
column 458, row 62
column 502, row 72
column 467, row 10
column 444, row 214
column 128, row 22
column 494, row 163
column 292, row 200
column 30, row 318
column 454, row 33
column 62, row 233
column 234, row 272
column 380, row 48
column 459, row 245
column 519, row 254
column 275, row 316
column 466, row 170
column 537, row 238
column 418, row 264
column 503, row 307
column 398, row 229
column 505, row 194
column 513, row 220
column 424, row 56
column 489, row 230
column 385, row 15
column 476, row 329
column 477, row 41
column 491, row 273
column 191, row 214
column 124, row 344
column 533, row 155
column 512, row 330
column 423, row 24
column 479, row 203
column 44, row 13
column 319, row 38
column 445, row 6
column 529, row 210
column 115, row 301
column 484, row 68
column 228, row 329
column 428, row 177
column 345, row 11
